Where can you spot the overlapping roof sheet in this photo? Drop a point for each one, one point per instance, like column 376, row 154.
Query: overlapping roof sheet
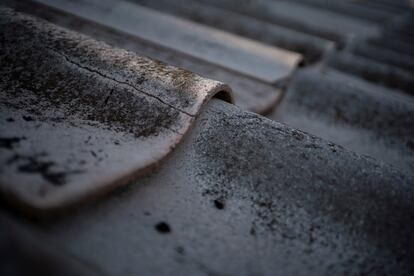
column 329, row 191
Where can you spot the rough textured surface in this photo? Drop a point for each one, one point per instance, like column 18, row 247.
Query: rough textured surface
column 236, row 53
column 244, row 195
column 365, row 118
column 78, row 116
column 249, row 93
column 309, row 208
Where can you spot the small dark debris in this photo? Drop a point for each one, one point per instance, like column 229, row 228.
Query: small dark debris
column 107, row 99
column 10, row 120
column 180, row 250
column 28, row 118
column 57, row 178
column 9, row 142
column 279, row 166
column 88, row 139
column 252, row 231
column 312, row 146
column 35, row 166
column 311, row 234
column 163, row 227
column 140, row 80
column 219, row 204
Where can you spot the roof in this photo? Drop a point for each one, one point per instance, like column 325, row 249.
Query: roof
column 323, row 185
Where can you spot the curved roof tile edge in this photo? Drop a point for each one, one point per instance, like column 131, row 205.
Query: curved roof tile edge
column 68, row 99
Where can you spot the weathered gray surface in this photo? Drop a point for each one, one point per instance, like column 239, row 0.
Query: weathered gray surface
column 373, row 71
column 236, row 53
column 351, row 9
column 368, row 119
column 387, row 56
column 313, row 48
column 310, row 20
column 245, row 195
column 394, row 44
column 79, row 117
column 394, row 6
column 24, row 252
column 249, row 93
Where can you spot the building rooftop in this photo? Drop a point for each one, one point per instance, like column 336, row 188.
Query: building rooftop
column 206, row 137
